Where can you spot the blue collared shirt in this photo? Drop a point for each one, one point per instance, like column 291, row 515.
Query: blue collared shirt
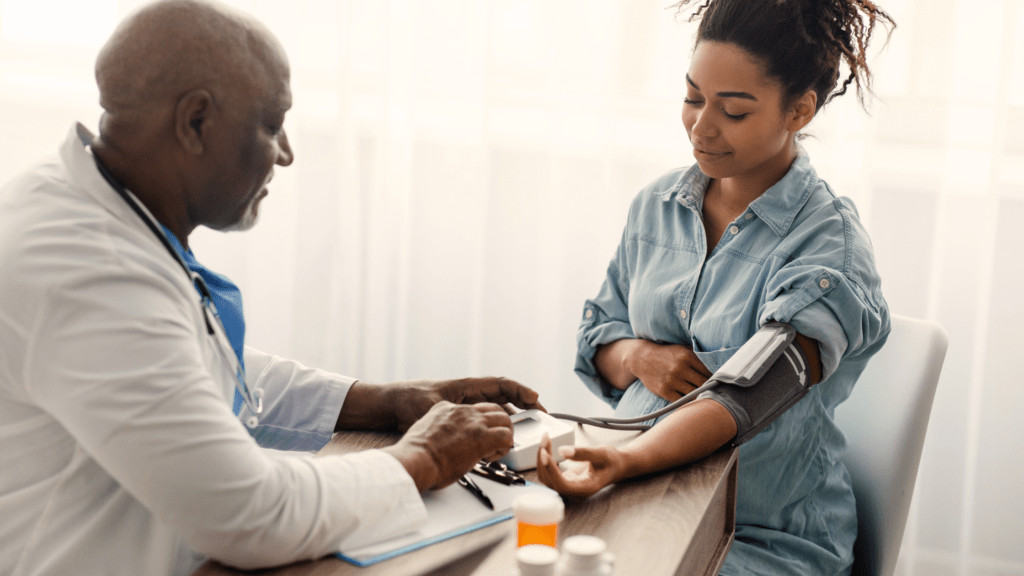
column 798, row 254
column 226, row 297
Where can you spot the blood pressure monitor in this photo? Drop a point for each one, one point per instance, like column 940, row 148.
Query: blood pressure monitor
column 528, row 427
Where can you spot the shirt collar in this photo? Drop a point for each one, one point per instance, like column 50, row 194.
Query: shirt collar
column 778, row 206
column 688, row 190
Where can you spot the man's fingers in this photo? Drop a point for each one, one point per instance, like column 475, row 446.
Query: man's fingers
column 522, row 396
column 497, row 420
column 496, row 390
column 493, row 414
column 497, row 441
column 507, row 391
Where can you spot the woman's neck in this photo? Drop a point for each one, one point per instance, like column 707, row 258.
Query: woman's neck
column 737, row 192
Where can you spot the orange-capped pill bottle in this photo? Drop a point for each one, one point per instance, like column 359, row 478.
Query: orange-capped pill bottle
column 537, row 516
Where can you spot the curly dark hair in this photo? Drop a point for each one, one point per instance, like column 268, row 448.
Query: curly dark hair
column 800, row 42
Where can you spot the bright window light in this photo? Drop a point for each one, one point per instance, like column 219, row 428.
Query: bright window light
column 60, row 22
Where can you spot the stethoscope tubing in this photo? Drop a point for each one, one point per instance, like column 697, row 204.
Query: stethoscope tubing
column 634, row 423
column 253, row 399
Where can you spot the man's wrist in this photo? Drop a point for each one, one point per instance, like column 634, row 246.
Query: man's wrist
column 418, row 462
column 366, row 407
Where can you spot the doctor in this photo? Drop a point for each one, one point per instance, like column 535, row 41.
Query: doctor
column 131, row 414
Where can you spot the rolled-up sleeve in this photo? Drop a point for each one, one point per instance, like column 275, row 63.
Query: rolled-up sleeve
column 301, row 404
column 605, row 320
column 833, row 296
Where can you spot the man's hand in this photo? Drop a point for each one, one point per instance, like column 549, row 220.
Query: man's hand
column 398, row 405
column 670, row 371
column 413, row 398
column 446, row 442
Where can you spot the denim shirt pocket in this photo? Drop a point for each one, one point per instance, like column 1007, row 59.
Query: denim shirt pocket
column 714, row 359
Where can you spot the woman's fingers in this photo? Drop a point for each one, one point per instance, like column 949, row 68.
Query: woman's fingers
column 547, row 471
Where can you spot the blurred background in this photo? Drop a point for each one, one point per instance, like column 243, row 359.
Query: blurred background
column 463, row 170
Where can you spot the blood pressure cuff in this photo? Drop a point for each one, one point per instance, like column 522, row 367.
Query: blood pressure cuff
column 761, row 380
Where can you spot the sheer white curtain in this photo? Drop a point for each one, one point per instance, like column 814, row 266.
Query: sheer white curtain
column 464, row 168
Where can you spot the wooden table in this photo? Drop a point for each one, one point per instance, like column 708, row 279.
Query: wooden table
column 676, row 522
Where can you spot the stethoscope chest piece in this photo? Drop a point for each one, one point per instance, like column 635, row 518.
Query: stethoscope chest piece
column 257, row 396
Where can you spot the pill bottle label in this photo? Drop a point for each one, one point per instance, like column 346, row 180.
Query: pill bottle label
column 546, row 535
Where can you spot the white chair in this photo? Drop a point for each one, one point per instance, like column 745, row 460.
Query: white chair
column 885, row 421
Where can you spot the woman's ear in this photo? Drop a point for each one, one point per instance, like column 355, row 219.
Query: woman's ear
column 190, row 115
column 802, row 111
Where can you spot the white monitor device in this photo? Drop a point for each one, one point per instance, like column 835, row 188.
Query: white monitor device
column 528, row 427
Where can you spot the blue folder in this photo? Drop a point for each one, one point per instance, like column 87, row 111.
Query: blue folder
column 451, row 512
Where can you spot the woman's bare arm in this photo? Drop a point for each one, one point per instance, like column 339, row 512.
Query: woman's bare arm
column 687, row 434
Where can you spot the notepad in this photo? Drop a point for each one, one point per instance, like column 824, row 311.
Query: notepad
column 450, row 512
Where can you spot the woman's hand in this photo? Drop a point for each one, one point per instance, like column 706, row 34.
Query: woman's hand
column 595, row 468
column 669, row 371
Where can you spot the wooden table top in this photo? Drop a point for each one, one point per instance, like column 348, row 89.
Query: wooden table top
column 674, row 522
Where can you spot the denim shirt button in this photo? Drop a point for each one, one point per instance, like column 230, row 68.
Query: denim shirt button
column 824, row 283
column 682, row 314
column 734, row 230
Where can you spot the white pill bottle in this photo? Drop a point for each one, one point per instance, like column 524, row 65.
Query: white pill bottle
column 581, row 556
column 585, row 556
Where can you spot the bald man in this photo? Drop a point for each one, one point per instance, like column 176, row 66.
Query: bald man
column 131, row 414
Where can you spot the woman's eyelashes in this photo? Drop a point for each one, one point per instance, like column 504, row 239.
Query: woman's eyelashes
column 698, row 103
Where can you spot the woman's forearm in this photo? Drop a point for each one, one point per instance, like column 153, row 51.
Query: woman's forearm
column 687, row 434
column 611, row 362
column 693, row 431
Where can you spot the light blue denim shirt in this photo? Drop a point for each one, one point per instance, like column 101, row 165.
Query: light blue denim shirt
column 798, row 254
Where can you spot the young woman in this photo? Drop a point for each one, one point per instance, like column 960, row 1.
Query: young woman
column 710, row 253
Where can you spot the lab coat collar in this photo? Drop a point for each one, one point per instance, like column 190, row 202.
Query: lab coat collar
column 85, row 176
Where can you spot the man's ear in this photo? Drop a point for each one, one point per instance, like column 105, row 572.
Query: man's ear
column 191, row 116
column 802, row 111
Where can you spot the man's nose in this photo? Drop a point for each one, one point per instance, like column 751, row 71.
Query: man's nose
column 285, row 156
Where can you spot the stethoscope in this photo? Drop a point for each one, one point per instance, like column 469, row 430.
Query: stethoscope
column 253, row 399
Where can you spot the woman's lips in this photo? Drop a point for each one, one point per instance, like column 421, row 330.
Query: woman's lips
column 708, row 156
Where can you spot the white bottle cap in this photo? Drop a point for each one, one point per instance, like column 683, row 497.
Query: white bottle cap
column 537, row 560
column 538, row 508
column 583, row 554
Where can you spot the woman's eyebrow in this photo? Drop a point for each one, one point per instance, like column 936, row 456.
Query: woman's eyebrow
column 744, row 95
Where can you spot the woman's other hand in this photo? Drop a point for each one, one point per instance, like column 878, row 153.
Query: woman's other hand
column 592, row 469
column 669, row 371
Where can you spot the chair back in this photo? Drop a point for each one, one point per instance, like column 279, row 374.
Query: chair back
column 885, row 420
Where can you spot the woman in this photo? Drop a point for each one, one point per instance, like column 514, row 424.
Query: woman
column 748, row 235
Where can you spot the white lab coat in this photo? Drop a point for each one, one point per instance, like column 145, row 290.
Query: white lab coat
column 119, row 453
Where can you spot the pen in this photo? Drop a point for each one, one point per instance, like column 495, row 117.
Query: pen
column 467, row 483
